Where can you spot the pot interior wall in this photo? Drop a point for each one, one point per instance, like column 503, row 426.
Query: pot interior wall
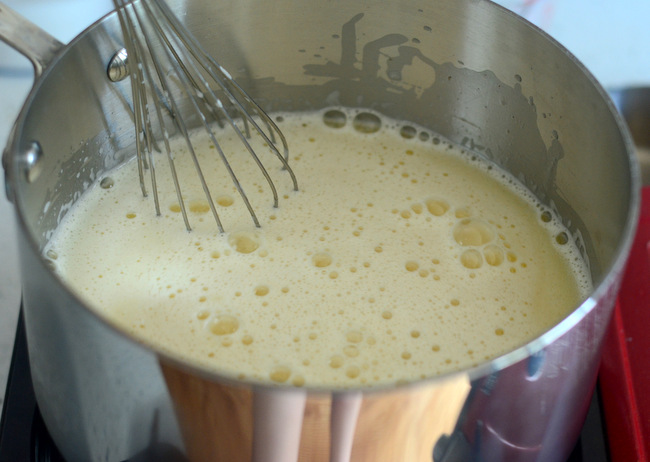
column 469, row 71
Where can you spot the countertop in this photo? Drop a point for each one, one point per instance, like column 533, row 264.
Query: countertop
column 610, row 38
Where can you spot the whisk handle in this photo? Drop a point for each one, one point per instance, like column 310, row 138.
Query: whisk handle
column 28, row 39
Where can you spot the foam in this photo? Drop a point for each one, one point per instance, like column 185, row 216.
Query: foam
column 400, row 258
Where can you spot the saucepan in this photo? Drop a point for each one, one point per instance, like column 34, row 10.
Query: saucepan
column 469, row 70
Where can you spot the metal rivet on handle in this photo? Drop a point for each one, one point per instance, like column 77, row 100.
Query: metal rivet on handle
column 32, row 161
column 117, row 67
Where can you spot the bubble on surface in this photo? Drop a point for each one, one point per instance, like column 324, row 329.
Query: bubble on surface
column 471, row 259
column 321, row 260
column 352, row 372
column 107, row 183
column 473, row 232
column 202, row 315
column 437, row 207
column 412, row 266
column 408, row 132
column 224, row 324
column 417, row 208
column 225, row 200
column 335, row 118
column 493, row 255
column 366, row 122
column 336, row 361
column 244, row 242
column 280, row 374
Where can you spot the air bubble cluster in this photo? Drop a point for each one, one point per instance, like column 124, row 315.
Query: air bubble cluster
column 402, row 257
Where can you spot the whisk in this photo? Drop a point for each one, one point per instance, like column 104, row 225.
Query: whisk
column 167, row 65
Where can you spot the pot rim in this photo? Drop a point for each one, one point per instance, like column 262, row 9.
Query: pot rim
column 600, row 291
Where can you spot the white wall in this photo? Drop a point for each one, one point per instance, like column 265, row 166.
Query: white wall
column 611, row 37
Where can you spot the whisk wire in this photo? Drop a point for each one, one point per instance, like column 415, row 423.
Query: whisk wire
column 154, row 23
column 139, row 71
column 191, row 88
column 228, row 84
column 168, row 97
column 130, row 44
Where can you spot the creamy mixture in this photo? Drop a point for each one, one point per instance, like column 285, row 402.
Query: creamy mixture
column 401, row 257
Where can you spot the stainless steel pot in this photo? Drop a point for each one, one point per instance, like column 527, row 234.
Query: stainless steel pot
column 467, row 69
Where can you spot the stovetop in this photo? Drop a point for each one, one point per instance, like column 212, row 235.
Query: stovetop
column 24, row 437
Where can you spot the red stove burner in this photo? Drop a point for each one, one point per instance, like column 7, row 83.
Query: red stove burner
column 625, row 369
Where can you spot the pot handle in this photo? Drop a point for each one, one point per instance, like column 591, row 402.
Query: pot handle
column 28, row 39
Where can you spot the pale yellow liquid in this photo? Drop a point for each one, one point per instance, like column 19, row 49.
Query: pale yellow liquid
column 400, row 258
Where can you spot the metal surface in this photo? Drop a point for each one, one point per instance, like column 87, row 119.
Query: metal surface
column 468, row 70
column 27, row 38
column 117, row 67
